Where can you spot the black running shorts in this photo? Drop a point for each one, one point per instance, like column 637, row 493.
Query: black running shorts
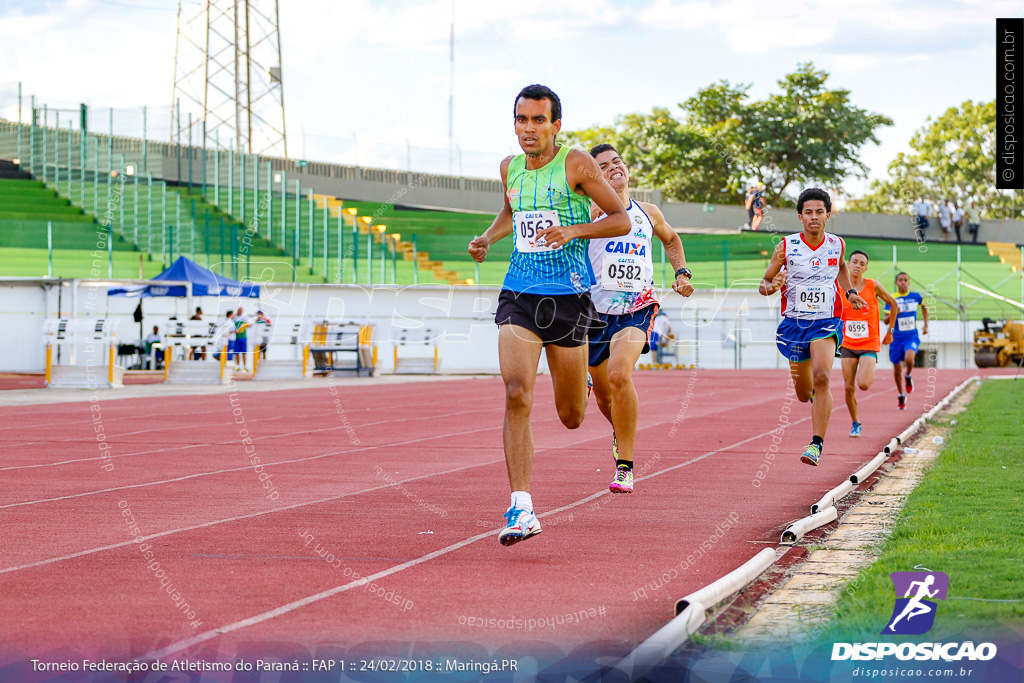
column 558, row 319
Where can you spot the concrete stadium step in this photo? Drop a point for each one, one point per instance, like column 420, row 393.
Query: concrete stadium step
column 21, row 182
column 46, row 216
column 1008, row 253
column 6, row 174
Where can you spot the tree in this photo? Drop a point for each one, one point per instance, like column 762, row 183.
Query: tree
column 662, row 153
column 953, row 159
column 807, row 133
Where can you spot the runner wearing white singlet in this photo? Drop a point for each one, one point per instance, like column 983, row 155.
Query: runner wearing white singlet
column 623, row 295
column 811, row 327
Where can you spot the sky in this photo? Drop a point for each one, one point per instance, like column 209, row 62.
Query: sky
column 368, row 82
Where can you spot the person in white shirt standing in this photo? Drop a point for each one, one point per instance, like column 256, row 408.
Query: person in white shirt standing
column 945, row 219
column 809, row 267
column 958, row 220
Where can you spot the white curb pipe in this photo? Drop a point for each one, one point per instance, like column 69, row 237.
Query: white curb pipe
column 833, row 497
column 797, row 529
column 690, row 614
column 865, row 472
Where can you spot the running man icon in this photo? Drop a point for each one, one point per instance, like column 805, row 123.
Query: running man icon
column 916, row 588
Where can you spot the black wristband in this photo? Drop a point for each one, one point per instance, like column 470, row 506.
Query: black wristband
column 851, row 290
column 684, row 271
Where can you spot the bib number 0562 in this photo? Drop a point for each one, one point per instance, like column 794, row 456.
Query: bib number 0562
column 528, row 224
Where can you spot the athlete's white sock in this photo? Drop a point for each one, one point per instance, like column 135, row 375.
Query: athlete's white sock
column 522, row 500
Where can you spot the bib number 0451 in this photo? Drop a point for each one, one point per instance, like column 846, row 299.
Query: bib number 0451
column 811, row 299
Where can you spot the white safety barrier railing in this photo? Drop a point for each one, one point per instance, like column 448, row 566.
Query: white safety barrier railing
column 419, row 351
column 98, row 339
column 193, row 335
column 795, row 531
column 832, row 497
column 297, row 335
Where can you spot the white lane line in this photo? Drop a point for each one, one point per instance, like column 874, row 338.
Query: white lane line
column 179, row 425
column 226, row 392
column 302, row 602
column 282, row 508
column 89, row 423
column 291, row 606
column 344, row 495
column 186, row 477
column 204, row 525
column 231, row 442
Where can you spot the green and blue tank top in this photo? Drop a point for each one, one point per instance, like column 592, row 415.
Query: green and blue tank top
column 539, row 198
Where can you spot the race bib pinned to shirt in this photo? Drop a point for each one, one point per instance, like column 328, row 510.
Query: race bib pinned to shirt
column 812, row 298
column 856, row 329
column 622, row 273
column 527, row 224
column 906, row 324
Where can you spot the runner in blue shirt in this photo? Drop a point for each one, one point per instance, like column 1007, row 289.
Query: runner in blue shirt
column 905, row 340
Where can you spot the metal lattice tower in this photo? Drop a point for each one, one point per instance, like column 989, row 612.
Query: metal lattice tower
column 227, row 72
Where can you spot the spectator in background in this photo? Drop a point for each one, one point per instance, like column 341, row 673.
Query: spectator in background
column 758, row 205
column 945, row 219
column 230, row 324
column 241, row 339
column 193, row 352
column 661, row 338
column 154, row 338
column 262, row 332
column 921, row 212
column 749, row 204
column 958, row 220
column 972, row 218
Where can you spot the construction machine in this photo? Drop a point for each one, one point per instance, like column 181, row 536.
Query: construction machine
column 999, row 344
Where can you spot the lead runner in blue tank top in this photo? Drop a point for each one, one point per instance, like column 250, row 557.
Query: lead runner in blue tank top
column 809, row 267
column 545, row 300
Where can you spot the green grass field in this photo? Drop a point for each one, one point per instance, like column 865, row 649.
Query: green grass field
column 964, row 519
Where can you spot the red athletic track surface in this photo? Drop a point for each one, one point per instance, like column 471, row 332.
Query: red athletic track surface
column 72, row 578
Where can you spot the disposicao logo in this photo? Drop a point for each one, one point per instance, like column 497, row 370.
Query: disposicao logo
column 914, row 614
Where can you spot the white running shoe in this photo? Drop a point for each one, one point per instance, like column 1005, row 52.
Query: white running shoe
column 521, row 525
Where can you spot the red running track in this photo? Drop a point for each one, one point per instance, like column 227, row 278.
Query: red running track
column 404, row 484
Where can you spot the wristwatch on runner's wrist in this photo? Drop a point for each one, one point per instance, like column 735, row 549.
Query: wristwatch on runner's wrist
column 684, row 271
column 851, row 291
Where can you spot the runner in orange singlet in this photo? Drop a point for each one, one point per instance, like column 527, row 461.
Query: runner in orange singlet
column 861, row 342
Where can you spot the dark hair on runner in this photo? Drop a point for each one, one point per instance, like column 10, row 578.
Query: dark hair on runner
column 540, row 92
column 810, row 194
column 902, row 272
column 858, row 251
column 602, row 148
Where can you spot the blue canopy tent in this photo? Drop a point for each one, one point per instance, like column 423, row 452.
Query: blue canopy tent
column 185, row 278
column 203, row 283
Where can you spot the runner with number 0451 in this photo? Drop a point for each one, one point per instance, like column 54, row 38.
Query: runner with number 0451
column 809, row 267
